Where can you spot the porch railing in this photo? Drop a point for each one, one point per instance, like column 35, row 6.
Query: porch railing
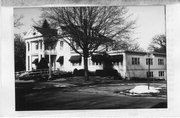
column 38, row 72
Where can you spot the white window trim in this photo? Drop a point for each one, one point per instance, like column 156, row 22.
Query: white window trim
column 135, row 61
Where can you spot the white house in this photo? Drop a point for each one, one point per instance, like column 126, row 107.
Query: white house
column 128, row 63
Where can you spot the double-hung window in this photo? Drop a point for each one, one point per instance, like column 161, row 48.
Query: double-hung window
column 160, row 61
column 149, row 74
column 149, row 61
column 135, row 61
column 161, row 73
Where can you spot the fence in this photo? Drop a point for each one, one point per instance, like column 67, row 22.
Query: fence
column 38, row 72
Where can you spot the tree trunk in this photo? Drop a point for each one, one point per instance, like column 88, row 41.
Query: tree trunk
column 49, row 64
column 86, row 68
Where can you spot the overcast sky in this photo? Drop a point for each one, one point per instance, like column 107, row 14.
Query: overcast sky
column 150, row 21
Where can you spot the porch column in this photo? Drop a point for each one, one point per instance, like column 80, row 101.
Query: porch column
column 39, row 50
column 43, row 49
column 30, row 55
column 27, row 55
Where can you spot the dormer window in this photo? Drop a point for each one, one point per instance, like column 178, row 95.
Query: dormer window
column 34, row 33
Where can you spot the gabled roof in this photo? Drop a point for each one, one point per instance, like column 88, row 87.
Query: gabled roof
column 32, row 33
column 46, row 31
column 43, row 31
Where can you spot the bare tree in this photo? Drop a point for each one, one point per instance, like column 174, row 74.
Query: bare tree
column 158, row 44
column 17, row 21
column 127, row 44
column 90, row 27
column 19, row 53
column 19, row 46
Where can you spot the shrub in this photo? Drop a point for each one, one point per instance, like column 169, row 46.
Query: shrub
column 138, row 79
column 59, row 74
column 67, row 74
column 75, row 72
column 41, row 78
column 99, row 73
column 108, row 72
column 145, row 79
column 102, row 73
column 80, row 72
column 112, row 72
column 43, row 64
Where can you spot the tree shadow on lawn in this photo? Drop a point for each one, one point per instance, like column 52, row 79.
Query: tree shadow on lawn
column 160, row 105
column 93, row 80
column 79, row 81
column 26, row 89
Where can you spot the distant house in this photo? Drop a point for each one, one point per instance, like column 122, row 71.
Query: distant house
column 128, row 63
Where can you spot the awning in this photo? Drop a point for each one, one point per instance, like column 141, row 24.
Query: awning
column 97, row 58
column 61, row 59
column 75, row 59
column 35, row 61
column 116, row 58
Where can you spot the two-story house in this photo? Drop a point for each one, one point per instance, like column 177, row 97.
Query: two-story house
column 128, row 63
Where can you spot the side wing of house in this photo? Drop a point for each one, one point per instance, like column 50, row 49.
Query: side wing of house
column 138, row 65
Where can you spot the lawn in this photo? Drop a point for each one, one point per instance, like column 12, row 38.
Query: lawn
column 75, row 93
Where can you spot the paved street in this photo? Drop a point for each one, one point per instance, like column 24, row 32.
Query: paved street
column 65, row 96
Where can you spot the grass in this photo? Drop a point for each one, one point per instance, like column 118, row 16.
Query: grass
column 93, row 94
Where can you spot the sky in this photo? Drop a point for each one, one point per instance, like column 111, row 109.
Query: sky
column 150, row 21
